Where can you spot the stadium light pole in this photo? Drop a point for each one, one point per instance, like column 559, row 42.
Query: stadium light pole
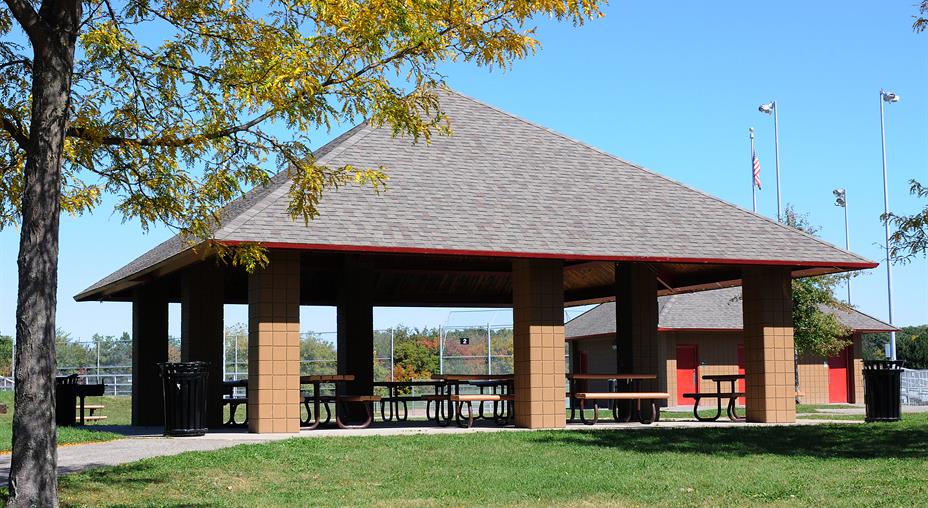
column 890, row 98
column 771, row 107
column 841, row 200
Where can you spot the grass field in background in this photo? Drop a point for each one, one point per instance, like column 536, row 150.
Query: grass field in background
column 828, row 465
column 118, row 411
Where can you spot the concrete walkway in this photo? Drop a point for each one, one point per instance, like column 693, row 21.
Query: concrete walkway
column 142, row 443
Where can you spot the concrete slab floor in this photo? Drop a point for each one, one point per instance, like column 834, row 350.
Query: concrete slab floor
column 144, row 442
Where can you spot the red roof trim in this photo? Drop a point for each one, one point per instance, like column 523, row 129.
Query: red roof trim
column 546, row 255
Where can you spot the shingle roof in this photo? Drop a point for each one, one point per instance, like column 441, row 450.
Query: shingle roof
column 717, row 309
column 503, row 186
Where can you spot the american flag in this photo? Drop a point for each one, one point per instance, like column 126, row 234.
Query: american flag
column 755, row 162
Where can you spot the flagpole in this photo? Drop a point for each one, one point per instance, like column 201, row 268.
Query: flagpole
column 753, row 187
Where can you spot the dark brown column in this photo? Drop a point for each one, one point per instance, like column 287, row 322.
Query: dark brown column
column 538, row 342
column 356, row 325
column 767, row 304
column 274, row 345
column 638, row 349
column 149, row 347
column 201, row 319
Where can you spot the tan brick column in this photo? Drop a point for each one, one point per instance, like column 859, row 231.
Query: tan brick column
column 149, row 347
column 768, row 345
column 201, row 321
column 638, row 347
column 857, row 369
column 274, row 345
column 538, row 322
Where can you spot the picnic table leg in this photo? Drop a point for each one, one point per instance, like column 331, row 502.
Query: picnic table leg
column 82, row 409
column 316, row 396
column 595, row 413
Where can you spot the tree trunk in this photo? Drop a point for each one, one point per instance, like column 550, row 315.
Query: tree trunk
column 33, row 472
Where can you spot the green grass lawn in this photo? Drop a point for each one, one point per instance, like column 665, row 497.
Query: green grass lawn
column 118, row 411
column 834, row 465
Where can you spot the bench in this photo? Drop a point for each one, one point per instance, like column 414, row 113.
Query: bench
column 365, row 400
column 234, row 403
column 460, row 399
column 324, row 401
column 650, row 414
column 90, row 417
column 718, row 396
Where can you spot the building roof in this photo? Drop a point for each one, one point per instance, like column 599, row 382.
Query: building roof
column 717, row 309
column 502, row 186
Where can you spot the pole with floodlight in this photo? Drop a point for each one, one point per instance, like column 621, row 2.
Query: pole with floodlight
column 841, row 200
column 771, row 107
column 889, row 98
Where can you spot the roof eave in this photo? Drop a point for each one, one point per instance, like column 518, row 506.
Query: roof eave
column 169, row 265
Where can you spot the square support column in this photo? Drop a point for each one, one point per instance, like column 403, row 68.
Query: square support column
column 639, row 349
column 274, row 345
column 768, row 345
column 149, row 348
column 355, row 317
column 538, row 340
column 202, row 329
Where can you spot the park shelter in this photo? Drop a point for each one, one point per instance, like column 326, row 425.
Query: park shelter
column 701, row 334
column 502, row 213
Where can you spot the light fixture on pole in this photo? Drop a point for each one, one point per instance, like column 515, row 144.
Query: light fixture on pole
column 841, row 200
column 771, row 108
column 890, row 98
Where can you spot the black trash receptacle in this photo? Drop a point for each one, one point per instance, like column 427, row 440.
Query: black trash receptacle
column 65, row 400
column 881, row 390
column 184, row 398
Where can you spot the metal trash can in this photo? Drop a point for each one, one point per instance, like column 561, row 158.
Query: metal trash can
column 184, row 398
column 881, row 390
column 66, row 400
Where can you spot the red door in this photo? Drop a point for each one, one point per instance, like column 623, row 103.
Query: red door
column 687, row 372
column 741, row 371
column 837, row 377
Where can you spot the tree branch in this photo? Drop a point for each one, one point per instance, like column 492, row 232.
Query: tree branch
column 88, row 135
column 22, row 61
column 16, row 131
column 29, row 19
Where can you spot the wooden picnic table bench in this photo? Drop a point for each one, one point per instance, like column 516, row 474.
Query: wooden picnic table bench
column 620, row 413
column 729, row 393
column 468, row 398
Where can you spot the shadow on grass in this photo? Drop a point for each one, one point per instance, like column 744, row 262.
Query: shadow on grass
column 870, row 441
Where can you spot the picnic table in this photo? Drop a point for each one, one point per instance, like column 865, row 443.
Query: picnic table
column 82, row 391
column 731, row 394
column 391, row 403
column 630, row 394
column 501, row 397
column 340, row 400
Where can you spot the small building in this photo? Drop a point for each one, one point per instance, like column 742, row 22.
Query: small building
column 701, row 334
column 503, row 213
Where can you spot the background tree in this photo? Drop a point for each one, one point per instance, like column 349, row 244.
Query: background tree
column 175, row 107
column 911, row 346
column 6, row 355
column 815, row 332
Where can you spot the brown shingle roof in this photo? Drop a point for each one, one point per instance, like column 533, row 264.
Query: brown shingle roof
column 718, row 309
column 503, row 186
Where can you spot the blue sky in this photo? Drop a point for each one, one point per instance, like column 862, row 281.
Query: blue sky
column 672, row 86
